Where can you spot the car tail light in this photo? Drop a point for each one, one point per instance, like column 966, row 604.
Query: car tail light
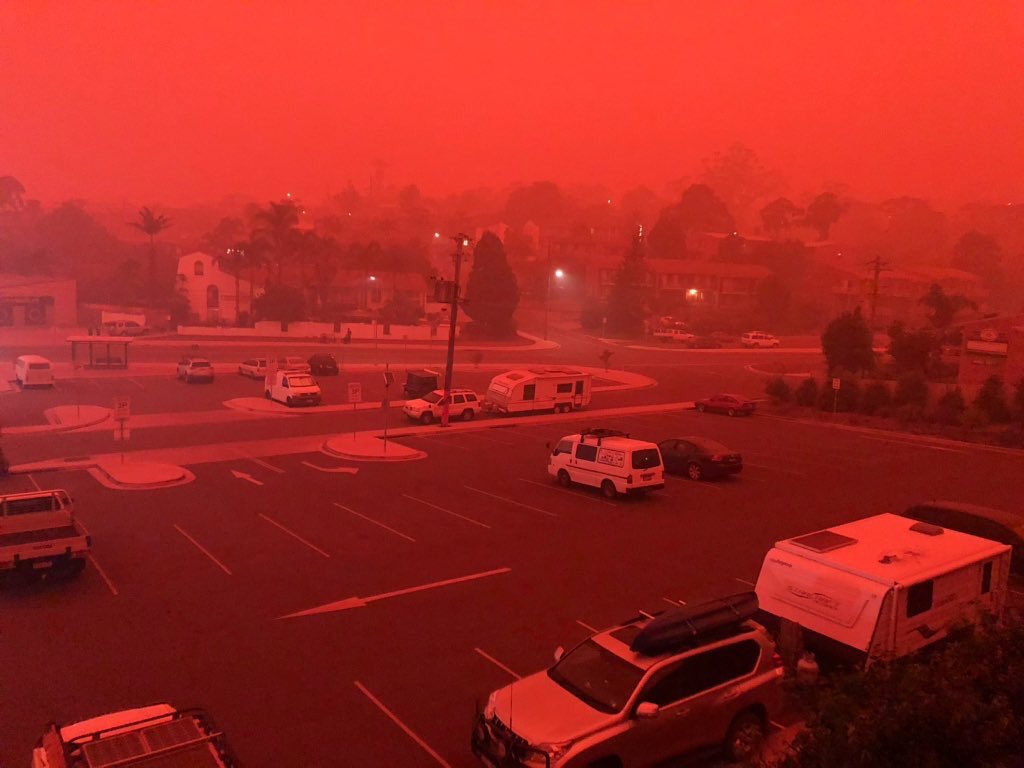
column 629, row 479
column 716, row 457
column 776, row 659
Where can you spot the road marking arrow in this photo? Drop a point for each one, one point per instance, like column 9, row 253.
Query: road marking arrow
column 246, row 476
column 360, row 602
column 343, row 470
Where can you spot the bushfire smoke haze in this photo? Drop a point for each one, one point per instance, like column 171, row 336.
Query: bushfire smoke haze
column 177, row 102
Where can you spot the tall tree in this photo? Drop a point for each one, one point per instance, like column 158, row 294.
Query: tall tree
column 698, row 210
column 824, row 211
column 979, row 254
column 944, row 306
column 11, row 193
column 846, row 343
column 541, row 202
column 629, row 299
column 233, row 260
column 152, row 224
column 492, row 292
column 276, row 226
column 780, row 215
column 915, row 232
column 739, row 177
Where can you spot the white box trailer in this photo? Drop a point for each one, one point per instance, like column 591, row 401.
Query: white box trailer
column 538, row 389
column 880, row 587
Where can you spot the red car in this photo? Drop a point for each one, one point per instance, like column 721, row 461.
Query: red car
column 733, row 405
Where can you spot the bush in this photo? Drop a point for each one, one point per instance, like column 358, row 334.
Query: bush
column 777, row 389
column 844, row 399
column 807, row 393
column 950, row 408
column 912, row 389
column 876, row 397
column 991, row 400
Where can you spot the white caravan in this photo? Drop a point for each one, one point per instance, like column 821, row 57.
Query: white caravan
column 880, row 587
column 538, row 389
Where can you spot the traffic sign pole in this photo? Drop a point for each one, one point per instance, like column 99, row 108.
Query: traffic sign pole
column 355, row 395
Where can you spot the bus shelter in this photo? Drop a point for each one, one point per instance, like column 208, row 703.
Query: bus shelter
column 99, row 351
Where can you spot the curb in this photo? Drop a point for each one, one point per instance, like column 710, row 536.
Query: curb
column 414, row 456
column 753, row 369
column 58, row 427
column 104, row 478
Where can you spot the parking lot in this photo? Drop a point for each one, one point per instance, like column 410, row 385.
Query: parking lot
column 422, row 585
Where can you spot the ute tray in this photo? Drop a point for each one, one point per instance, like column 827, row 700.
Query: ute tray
column 681, row 626
column 43, row 534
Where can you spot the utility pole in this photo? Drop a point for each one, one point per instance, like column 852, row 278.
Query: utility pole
column 878, row 267
column 461, row 241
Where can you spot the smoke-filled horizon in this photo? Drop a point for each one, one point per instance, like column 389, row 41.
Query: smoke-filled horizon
column 179, row 102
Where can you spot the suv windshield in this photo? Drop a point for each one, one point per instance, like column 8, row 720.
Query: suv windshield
column 432, row 397
column 646, row 458
column 200, row 363
column 596, row 675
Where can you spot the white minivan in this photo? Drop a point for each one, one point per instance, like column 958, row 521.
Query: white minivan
column 609, row 460
column 33, row 371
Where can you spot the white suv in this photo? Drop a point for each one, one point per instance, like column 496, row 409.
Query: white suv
column 753, row 339
column 465, row 405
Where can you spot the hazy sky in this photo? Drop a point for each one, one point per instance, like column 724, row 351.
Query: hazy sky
column 175, row 102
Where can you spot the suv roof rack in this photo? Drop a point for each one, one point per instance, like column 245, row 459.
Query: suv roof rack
column 679, row 626
column 601, row 432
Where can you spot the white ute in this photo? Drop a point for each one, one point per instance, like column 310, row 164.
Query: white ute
column 39, row 535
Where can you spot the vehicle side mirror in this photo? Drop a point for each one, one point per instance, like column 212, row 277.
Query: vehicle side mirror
column 647, row 710
column 559, row 653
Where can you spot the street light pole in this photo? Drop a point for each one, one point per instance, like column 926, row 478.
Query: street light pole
column 461, row 241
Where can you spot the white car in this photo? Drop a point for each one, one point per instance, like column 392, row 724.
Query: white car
column 293, row 388
column 293, row 363
column 674, row 334
column 465, row 405
column 752, row 339
column 195, row 369
column 254, row 368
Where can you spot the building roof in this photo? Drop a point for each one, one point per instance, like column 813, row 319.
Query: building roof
column 11, row 280
column 688, row 267
column 997, row 320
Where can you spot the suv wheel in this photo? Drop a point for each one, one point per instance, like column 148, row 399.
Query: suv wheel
column 427, row 417
column 732, row 411
column 745, row 737
column 608, row 489
column 467, row 415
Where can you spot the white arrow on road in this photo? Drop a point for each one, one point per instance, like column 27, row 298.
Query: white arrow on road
column 360, row 602
column 246, row 476
column 343, row 470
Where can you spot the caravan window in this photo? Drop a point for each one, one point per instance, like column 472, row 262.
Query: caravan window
column 529, row 391
column 564, row 389
column 586, row 452
column 579, row 387
column 919, row 598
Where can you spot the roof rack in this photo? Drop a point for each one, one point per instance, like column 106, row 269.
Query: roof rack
column 600, row 433
column 680, row 626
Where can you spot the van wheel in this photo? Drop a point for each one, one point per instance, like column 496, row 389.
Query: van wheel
column 745, row 737
column 427, row 417
column 563, row 478
column 700, row 407
column 731, row 411
column 467, row 415
column 567, row 408
column 693, row 470
column 266, row 394
column 608, row 489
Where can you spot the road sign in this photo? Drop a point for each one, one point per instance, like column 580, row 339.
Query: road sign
column 836, row 383
column 122, row 407
column 355, row 392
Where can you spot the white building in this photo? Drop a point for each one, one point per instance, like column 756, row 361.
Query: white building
column 214, row 295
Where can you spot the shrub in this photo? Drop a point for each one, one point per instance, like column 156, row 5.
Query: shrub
column 844, row 399
column 991, row 400
column 912, row 389
column 950, row 407
column 876, row 397
column 777, row 389
column 807, row 393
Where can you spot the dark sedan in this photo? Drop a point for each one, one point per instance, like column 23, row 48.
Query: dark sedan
column 323, row 365
column 733, row 405
column 699, row 458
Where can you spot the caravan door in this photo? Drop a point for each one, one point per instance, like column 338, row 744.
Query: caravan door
column 580, row 396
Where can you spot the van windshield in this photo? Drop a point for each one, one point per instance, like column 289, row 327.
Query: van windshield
column 39, row 366
column 646, row 458
column 301, row 381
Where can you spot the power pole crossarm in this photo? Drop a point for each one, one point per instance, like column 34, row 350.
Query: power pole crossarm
column 461, row 241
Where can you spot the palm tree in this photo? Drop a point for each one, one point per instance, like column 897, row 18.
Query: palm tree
column 254, row 258
column 152, row 225
column 276, row 227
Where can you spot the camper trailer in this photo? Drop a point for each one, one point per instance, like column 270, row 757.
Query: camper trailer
column 538, row 389
column 877, row 588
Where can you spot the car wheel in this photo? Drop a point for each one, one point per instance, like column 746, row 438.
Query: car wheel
column 188, row 379
column 608, row 489
column 694, row 471
column 567, row 408
column 700, row 407
column 467, row 415
column 240, row 371
column 563, row 478
column 267, row 394
column 427, row 417
column 288, row 402
column 744, row 738
column 731, row 411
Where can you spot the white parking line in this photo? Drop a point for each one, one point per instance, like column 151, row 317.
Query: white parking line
column 676, row 603
column 447, row 511
column 578, row 495
column 137, row 384
column 744, row 581
column 265, row 464
column 912, row 443
column 497, row 663
column 408, row 731
column 294, row 535
column 586, row 626
column 774, row 469
column 375, row 522
column 510, row 501
column 38, row 488
column 203, row 549
column 101, row 572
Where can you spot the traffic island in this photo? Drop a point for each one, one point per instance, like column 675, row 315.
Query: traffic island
column 369, row 446
column 139, row 475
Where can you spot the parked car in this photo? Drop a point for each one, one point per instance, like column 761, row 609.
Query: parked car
column 995, row 524
column 292, row 363
column 758, row 339
column 293, row 388
column 464, row 405
column 254, row 368
column 125, row 328
column 674, row 334
column 641, row 693
column 699, row 458
column 731, row 405
column 322, row 364
column 195, row 369
column 33, row 371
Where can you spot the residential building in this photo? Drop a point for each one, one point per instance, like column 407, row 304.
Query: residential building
column 37, row 301
column 214, row 295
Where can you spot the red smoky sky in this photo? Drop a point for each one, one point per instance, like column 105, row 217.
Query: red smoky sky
column 179, row 102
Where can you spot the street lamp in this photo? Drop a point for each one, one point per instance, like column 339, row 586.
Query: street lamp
column 559, row 274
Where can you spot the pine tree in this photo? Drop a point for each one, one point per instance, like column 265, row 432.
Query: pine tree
column 492, row 292
column 627, row 304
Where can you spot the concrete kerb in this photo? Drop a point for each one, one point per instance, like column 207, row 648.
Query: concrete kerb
column 369, row 446
column 759, row 372
column 139, row 475
column 65, row 418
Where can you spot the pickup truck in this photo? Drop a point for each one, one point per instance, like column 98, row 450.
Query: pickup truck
column 146, row 736
column 39, row 535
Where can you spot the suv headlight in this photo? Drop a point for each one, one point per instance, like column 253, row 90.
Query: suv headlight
column 555, row 751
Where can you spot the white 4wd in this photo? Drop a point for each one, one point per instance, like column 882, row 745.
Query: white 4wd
column 293, row 388
column 464, row 405
column 758, row 339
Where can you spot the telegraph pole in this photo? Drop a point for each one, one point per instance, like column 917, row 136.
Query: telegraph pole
column 461, row 241
column 878, row 267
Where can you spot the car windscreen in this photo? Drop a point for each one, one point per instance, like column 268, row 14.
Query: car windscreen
column 597, row 676
column 201, row 364
column 301, row 381
column 432, row 397
column 646, row 458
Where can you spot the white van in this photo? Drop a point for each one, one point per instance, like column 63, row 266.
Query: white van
column 292, row 388
column 609, row 460
column 33, row 371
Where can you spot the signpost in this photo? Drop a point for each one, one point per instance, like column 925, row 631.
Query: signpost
column 355, row 395
column 389, row 379
column 836, row 383
column 122, row 412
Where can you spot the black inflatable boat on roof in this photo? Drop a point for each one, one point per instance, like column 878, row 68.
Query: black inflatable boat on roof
column 680, row 626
